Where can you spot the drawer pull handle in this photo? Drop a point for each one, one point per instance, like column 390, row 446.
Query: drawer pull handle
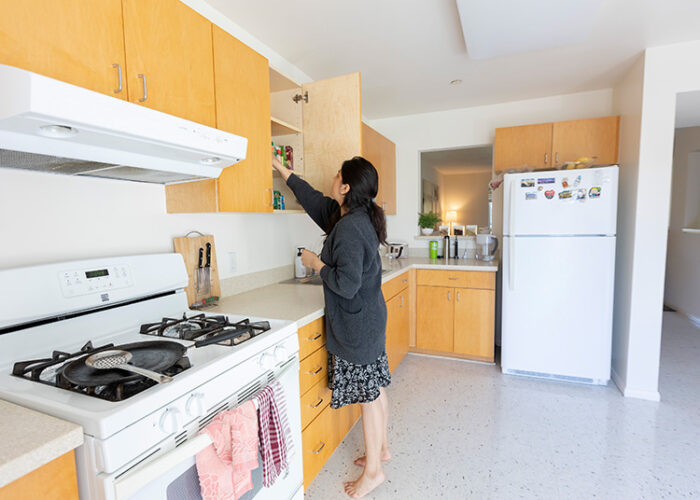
column 318, row 336
column 119, row 77
column 318, row 403
column 457, row 296
column 318, row 370
column 320, row 448
column 453, row 279
column 404, row 281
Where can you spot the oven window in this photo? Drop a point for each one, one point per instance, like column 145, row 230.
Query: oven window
column 186, row 486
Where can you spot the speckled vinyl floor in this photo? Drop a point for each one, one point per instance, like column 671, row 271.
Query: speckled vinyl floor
column 463, row 430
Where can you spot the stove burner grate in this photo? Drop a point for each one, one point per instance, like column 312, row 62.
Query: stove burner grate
column 206, row 329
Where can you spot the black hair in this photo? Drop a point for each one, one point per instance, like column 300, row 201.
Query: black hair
column 362, row 178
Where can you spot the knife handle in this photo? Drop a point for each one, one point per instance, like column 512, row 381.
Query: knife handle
column 208, row 264
column 201, row 258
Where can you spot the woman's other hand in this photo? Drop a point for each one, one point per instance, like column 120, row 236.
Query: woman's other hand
column 310, row 259
column 284, row 171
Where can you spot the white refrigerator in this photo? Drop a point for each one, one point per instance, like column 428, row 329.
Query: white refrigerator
column 558, row 273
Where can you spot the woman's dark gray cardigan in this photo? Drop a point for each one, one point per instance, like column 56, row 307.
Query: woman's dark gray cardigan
column 352, row 278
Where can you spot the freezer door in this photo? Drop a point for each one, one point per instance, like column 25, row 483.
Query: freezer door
column 561, row 202
column 557, row 307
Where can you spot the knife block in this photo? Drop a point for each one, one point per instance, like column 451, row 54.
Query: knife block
column 188, row 247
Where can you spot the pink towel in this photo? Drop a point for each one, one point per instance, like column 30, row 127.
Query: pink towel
column 224, row 467
column 275, row 436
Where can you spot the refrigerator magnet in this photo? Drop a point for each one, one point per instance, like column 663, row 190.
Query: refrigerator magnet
column 577, row 181
column 549, row 194
column 581, row 194
column 594, row 192
column 540, row 188
column 565, row 182
column 527, row 183
column 545, row 180
column 564, row 195
column 530, row 196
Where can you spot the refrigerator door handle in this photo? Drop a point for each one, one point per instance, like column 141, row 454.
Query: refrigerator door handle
column 511, row 242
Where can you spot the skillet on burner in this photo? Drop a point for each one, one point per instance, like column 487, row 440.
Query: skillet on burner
column 155, row 355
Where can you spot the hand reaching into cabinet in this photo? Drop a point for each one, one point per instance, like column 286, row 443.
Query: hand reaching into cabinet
column 277, row 165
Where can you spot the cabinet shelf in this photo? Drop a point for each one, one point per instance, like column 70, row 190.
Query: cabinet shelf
column 280, row 127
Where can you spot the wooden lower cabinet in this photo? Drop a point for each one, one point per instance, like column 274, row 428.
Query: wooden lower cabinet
column 456, row 320
column 435, row 318
column 397, row 328
column 55, row 480
column 317, row 442
column 474, row 323
column 314, row 402
column 313, row 369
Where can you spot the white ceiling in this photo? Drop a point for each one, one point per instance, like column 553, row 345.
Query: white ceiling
column 409, row 50
column 459, row 161
column 688, row 109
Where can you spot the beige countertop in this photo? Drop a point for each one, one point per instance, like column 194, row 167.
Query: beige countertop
column 29, row 439
column 304, row 303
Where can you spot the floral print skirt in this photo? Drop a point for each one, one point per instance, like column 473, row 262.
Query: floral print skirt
column 353, row 383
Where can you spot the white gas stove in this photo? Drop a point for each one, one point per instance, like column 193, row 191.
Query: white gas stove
column 141, row 436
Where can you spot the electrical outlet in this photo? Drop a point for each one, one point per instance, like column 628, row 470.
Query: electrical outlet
column 232, row 265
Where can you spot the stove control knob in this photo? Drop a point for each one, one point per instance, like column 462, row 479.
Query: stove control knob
column 170, row 421
column 267, row 361
column 280, row 354
column 194, row 406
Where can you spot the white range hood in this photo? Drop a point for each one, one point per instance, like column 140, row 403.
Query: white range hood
column 52, row 126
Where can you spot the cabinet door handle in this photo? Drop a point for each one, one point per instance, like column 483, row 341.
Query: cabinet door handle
column 402, row 301
column 449, row 296
column 556, row 157
column 145, row 88
column 546, row 158
column 119, row 77
column 383, row 205
column 272, row 196
column 318, row 336
column 457, row 296
column 318, row 403
column 319, row 449
column 318, row 370
column 404, row 281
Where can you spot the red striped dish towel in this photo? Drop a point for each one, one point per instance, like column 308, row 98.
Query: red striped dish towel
column 275, row 435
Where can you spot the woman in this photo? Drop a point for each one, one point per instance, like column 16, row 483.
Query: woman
column 351, row 268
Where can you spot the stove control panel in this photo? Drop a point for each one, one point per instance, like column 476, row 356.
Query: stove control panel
column 77, row 282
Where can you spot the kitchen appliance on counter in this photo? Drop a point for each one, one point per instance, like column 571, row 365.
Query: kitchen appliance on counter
column 486, row 246
column 558, row 273
column 141, row 435
column 52, row 126
column 397, row 250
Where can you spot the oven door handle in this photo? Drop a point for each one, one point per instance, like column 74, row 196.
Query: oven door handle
column 131, row 483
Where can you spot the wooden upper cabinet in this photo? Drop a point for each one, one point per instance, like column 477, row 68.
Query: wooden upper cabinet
column 525, row 146
column 169, row 58
column 70, row 40
column 332, row 127
column 594, row 137
column 381, row 152
column 243, row 108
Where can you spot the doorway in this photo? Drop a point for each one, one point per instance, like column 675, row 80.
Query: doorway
column 680, row 340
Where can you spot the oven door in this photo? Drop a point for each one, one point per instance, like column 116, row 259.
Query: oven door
column 173, row 475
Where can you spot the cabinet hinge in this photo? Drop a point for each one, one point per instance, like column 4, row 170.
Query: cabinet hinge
column 300, row 97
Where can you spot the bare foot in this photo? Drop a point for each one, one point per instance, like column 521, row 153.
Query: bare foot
column 386, row 456
column 363, row 485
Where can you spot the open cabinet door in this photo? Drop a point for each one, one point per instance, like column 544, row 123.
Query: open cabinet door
column 332, row 125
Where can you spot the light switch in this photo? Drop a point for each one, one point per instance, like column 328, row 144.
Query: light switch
column 232, row 265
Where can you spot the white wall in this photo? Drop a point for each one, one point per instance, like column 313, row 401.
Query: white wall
column 468, row 195
column 682, row 291
column 466, row 128
column 48, row 218
column 667, row 70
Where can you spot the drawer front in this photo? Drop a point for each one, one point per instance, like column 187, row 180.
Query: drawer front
column 312, row 337
column 458, row 279
column 312, row 370
column 393, row 287
column 317, row 443
column 314, row 402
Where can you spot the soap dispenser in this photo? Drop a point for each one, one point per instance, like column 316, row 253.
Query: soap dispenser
column 299, row 268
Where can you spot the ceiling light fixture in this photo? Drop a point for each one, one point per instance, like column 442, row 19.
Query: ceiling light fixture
column 456, row 82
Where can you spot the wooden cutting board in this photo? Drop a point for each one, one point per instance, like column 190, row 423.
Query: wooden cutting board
column 188, row 247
